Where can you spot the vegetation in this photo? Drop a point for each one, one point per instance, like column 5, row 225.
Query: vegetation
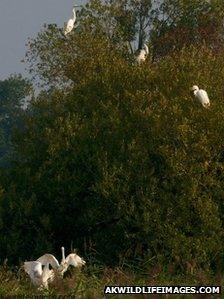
column 91, row 282
column 12, row 93
column 111, row 151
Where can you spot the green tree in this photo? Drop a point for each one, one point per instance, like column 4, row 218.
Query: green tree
column 166, row 26
column 181, row 23
column 125, row 155
column 13, row 91
column 124, row 24
column 123, row 162
column 121, row 21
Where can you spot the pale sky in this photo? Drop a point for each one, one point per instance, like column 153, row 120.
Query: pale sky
column 20, row 19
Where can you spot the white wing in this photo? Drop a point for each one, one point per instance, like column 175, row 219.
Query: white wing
column 48, row 259
column 69, row 26
column 74, row 260
column 203, row 98
column 33, row 267
column 34, row 270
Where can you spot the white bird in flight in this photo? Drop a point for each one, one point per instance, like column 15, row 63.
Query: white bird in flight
column 202, row 96
column 41, row 274
column 143, row 54
column 71, row 22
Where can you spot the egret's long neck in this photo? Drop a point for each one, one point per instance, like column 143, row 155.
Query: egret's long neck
column 74, row 14
column 195, row 91
column 63, row 254
column 146, row 49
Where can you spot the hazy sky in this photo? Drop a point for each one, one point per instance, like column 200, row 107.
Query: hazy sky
column 20, row 19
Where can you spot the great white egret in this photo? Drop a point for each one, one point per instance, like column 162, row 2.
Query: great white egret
column 72, row 259
column 201, row 95
column 70, row 24
column 41, row 274
column 143, row 54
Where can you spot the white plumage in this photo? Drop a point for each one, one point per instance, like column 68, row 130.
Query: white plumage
column 39, row 276
column 40, row 273
column 202, row 96
column 72, row 259
column 48, row 259
column 70, row 24
column 143, row 54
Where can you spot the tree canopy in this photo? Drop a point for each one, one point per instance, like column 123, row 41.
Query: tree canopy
column 13, row 92
column 123, row 161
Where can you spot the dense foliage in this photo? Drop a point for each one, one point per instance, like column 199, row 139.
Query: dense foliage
column 13, row 91
column 123, row 161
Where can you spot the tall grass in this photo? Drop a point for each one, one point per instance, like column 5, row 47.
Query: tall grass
column 91, row 281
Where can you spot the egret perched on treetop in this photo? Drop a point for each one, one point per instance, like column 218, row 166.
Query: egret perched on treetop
column 70, row 24
column 143, row 54
column 202, row 96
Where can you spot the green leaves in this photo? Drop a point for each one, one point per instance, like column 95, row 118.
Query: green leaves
column 127, row 154
column 118, row 156
column 13, row 92
column 181, row 23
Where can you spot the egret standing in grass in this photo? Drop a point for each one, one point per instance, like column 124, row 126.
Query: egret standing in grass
column 202, row 96
column 41, row 274
column 71, row 22
column 72, row 259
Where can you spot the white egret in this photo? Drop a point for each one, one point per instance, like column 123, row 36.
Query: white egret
column 72, row 259
column 143, row 54
column 41, row 274
column 71, row 22
column 201, row 95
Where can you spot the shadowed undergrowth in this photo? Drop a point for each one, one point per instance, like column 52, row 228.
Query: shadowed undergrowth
column 91, row 281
